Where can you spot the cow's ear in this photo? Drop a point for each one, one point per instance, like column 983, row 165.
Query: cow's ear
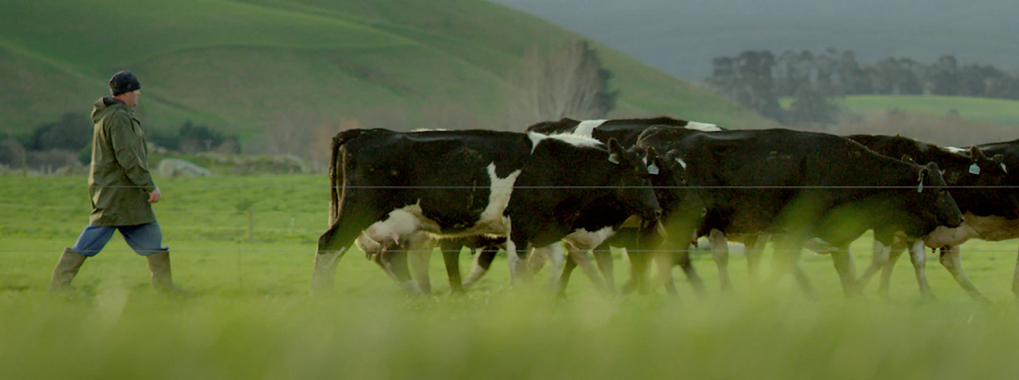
column 976, row 154
column 615, row 151
column 924, row 172
column 1000, row 160
column 652, row 161
column 652, row 154
column 907, row 158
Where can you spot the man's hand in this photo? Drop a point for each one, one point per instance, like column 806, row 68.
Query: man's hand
column 155, row 195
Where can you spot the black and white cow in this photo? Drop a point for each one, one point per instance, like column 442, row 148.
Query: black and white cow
column 526, row 187
column 798, row 186
column 626, row 131
column 596, row 228
column 976, row 184
column 999, row 227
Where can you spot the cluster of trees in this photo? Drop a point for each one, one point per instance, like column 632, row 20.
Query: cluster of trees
column 67, row 142
column 195, row 138
column 758, row 78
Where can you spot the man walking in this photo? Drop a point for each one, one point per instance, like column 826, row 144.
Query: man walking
column 121, row 190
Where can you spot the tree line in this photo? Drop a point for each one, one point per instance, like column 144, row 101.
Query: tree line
column 67, row 142
column 758, row 79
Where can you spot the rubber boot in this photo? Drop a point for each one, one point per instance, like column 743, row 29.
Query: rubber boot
column 162, row 278
column 67, row 268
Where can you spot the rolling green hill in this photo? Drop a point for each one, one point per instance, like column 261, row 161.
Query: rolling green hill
column 241, row 65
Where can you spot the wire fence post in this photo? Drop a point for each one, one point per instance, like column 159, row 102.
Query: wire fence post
column 251, row 227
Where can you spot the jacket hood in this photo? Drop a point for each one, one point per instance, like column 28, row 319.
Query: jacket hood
column 104, row 106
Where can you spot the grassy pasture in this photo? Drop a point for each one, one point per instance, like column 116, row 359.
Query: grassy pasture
column 253, row 318
column 1000, row 111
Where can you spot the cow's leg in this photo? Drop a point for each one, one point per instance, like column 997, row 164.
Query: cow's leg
column 325, row 269
column 482, row 261
column 919, row 258
column 568, row 268
column 754, row 250
column 720, row 252
column 395, row 264
column 664, row 262
column 419, row 254
column 951, row 260
column 579, row 257
column 605, row 265
column 556, row 255
column 842, row 258
column 684, row 262
column 418, row 260
column 537, row 258
column 333, row 244
column 451, row 259
column 886, row 271
column 786, row 261
column 877, row 262
column 518, row 247
column 639, row 272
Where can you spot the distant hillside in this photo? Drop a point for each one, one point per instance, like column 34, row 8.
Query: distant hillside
column 243, row 65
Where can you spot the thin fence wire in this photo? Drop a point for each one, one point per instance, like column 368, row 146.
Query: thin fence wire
column 290, row 241
column 543, row 187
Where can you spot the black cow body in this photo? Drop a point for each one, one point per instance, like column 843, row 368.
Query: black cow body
column 975, row 182
column 995, row 228
column 798, row 186
column 526, row 187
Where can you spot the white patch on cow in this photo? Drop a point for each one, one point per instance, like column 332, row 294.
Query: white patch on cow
column 536, row 138
column 569, row 138
column 430, row 130
column 681, row 162
column 405, row 222
column 585, row 240
column 703, row 127
column 956, row 150
column 586, row 127
column 399, row 223
column 492, row 219
column 577, row 140
column 393, row 231
column 1004, row 168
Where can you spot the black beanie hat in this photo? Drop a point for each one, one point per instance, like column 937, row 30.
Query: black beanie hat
column 124, row 81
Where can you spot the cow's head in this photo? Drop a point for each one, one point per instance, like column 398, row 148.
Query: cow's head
column 983, row 188
column 670, row 182
column 633, row 180
column 932, row 201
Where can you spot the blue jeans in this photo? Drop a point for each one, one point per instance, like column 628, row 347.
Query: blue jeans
column 144, row 239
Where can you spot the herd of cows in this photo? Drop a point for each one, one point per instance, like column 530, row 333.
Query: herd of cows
column 652, row 186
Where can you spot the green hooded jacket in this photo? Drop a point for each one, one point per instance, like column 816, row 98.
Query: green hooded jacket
column 119, row 179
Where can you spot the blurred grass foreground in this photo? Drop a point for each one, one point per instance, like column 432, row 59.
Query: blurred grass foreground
column 252, row 317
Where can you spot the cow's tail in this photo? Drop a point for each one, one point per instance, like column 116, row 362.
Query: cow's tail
column 336, row 171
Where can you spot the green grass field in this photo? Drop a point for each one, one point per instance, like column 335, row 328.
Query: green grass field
column 253, row 317
column 1000, row 111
